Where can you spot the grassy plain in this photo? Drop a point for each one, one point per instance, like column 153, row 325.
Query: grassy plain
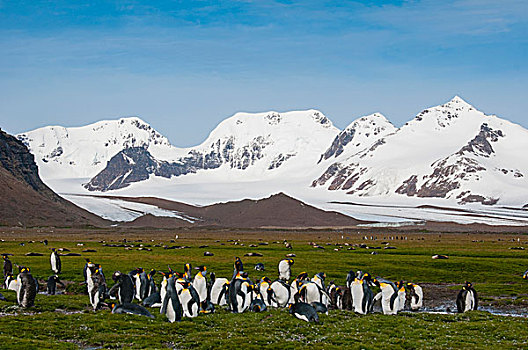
column 65, row 321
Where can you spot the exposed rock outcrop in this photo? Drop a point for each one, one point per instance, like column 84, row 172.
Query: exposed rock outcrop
column 25, row 199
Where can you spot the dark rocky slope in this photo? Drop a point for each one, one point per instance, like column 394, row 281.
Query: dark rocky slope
column 25, row 200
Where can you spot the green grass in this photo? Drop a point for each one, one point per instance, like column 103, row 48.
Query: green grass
column 494, row 269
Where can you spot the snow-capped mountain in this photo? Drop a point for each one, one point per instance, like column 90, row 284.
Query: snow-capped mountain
column 82, row 152
column 258, row 145
column 448, row 155
column 450, row 151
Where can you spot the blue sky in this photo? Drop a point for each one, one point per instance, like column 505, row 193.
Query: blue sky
column 184, row 66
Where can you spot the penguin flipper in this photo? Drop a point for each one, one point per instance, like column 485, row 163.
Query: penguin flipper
column 460, row 301
column 164, row 303
column 393, row 298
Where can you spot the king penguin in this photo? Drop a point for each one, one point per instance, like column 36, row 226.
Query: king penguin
column 416, row 296
column 171, row 305
column 390, row 302
column 132, row 309
column 55, row 262
column 304, row 311
column 362, row 296
column 98, row 288
column 200, row 285
column 51, row 285
column 27, row 288
column 285, row 269
column 219, row 287
column 189, row 300
column 8, row 269
column 87, row 271
column 123, row 287
column 11, row 283
column 467, row 298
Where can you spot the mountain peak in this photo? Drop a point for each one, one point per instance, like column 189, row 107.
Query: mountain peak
column 458, row 102
column 369, row 120
column 359, row 134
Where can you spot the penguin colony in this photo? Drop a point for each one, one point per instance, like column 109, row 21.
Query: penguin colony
column 184, row 295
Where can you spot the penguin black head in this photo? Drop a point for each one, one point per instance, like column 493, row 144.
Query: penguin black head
column 321, row 275
column 238, row 264
column 152, row 273
column 185, row 284
column 290, row 262
column 244, row 275
column 53, row 250
column 116, row 275
column 201, row 268
column 302, row 276
column 266, row 279
column 177, row 274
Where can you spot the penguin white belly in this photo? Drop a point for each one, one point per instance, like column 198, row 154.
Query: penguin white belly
column 312, row 293
column 90, row 285
column 216, row 290
column 470, row 301
column 88, row 275
column 171, row 314
column 200, row 285
column 358, row 294
column 19, row 289
column 163, row 289
column 137, row 283
column 13, row 285
column 386, row 295
column 263, row 289
column 281, row 293
column 95, row 300
column 53, row 261
column 401, row 300
column 301, row 317
column 245, row 300
column 185, row 297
